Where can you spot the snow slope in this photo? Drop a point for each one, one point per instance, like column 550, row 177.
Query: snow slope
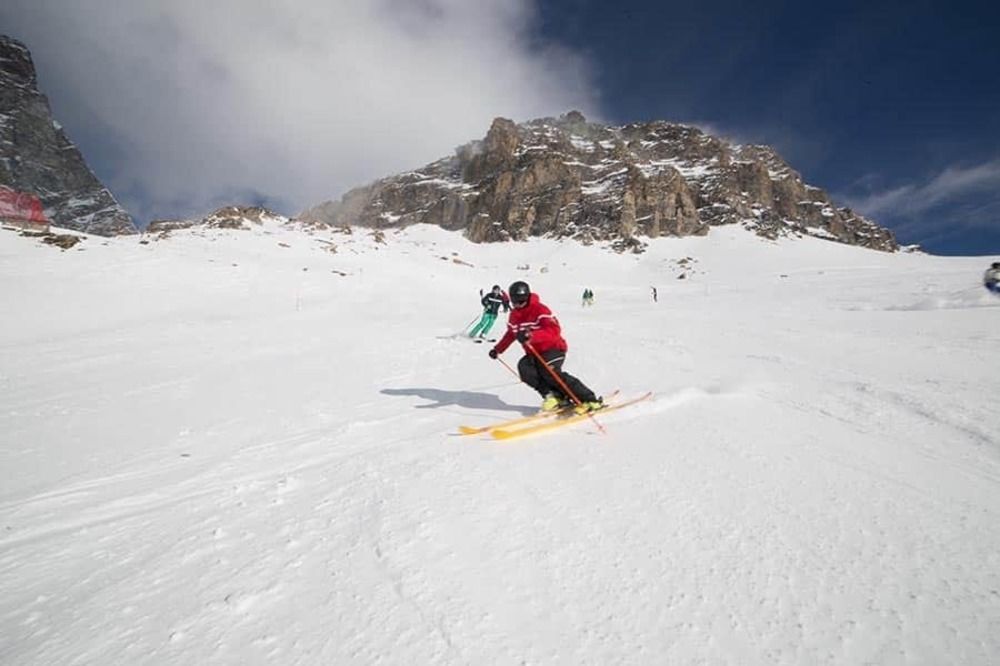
column 238, row 447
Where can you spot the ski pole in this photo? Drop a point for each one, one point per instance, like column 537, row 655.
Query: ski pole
column 562, row 384
column 512, row 371
column 465, row 328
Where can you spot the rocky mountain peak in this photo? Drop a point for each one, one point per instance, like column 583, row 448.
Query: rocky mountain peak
column 36, row 156
column 15, row 61
column 568, row 177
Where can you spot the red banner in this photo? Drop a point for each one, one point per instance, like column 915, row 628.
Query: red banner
column 21, row 206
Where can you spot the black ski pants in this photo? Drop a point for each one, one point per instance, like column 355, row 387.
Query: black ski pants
column 534, row 374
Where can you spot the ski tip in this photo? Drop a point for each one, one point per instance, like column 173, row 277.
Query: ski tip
column 470, row 430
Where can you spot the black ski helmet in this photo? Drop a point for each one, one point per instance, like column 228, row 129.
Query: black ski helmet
column 496, row 288
column 519, row 293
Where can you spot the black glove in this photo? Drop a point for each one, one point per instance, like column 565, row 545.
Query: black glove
column 493, row 353
column 523, row 337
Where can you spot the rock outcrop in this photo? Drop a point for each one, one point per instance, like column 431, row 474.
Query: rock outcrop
column 568, row 177
column 37, row 157
column 240, row 218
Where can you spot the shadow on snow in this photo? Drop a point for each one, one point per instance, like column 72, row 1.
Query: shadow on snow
column 469, row 399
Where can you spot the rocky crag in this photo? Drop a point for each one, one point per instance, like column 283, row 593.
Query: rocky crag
column 227, row 217
column 239, row 218
column 37, row 157
column 568, row 177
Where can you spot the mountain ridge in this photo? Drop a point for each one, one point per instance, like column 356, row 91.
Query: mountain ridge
column 568, row 177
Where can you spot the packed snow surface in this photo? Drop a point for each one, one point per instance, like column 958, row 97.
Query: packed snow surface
column 239, row 447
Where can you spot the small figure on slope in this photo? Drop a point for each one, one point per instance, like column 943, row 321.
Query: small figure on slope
column 533, row 325
column 991, row 278
column 492, row 302
column 588, row 297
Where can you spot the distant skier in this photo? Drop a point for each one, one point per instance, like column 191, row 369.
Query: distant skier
column 654, row 294
column 991, row 278
column 588, row 297
column 533, row 325
column 492, row 302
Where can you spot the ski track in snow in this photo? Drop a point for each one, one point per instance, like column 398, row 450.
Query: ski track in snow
column 217, row 450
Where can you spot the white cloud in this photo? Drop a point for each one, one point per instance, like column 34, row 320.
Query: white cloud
column 296, row 99
column 909, row 200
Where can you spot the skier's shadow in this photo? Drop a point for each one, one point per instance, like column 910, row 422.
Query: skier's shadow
column 468, row 399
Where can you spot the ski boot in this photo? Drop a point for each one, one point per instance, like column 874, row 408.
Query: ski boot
column 552, row 403
column 587, row 407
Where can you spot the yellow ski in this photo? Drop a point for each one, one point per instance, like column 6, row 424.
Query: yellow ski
column 475, row 430
column 513, row 433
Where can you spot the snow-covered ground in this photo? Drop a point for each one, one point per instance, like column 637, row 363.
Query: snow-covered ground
column 238, row 447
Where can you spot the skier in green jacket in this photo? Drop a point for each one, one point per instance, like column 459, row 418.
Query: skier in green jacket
column 492, row 302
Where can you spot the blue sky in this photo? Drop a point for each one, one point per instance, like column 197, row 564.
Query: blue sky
column 892, row 107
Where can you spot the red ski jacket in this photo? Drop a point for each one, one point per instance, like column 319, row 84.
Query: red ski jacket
column 539, row 321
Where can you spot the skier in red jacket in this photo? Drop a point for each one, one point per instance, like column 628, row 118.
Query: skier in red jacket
column 532, row 324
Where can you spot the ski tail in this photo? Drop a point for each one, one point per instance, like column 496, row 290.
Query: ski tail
column 475, row 430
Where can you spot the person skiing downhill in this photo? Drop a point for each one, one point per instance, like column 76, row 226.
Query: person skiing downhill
column 533, row 325
column 492, row 302
column 991, row 278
